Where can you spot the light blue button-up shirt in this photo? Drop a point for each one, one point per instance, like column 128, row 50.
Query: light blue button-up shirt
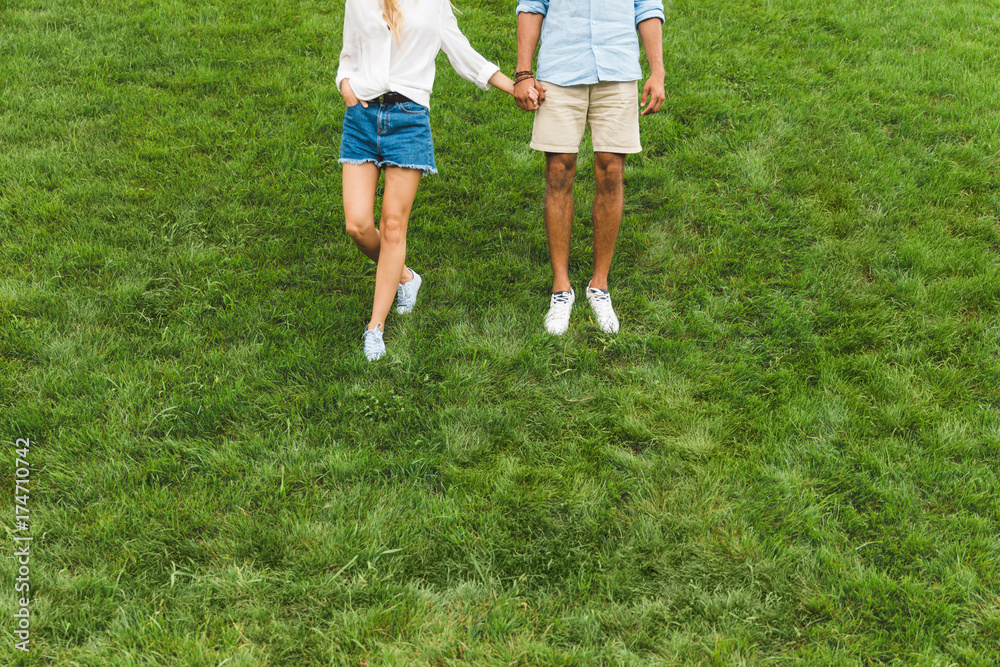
column 586, row 41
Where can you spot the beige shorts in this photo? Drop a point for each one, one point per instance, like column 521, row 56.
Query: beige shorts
column 610, row 108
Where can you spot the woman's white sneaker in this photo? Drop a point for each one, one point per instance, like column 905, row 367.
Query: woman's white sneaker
column 557, row 320
column 373, row 343
column 406, row 294
column 600, row 302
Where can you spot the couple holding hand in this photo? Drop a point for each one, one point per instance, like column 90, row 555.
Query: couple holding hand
column 588, row 66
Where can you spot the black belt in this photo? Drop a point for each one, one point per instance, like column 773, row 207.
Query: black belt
column 391, row 98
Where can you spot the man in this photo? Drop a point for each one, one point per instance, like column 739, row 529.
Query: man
column 588, row 66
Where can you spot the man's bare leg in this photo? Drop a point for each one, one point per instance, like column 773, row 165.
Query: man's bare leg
column 560, row 170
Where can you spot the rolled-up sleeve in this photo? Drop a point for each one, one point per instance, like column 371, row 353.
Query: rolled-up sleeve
column 533, row 7
column 648, row 9
column 469, row 64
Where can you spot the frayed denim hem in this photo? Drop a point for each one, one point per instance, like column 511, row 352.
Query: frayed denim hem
column 424, row 168
column 387, row 163
column 344, row 160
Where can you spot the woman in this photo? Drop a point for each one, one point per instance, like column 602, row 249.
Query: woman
column 386, row 74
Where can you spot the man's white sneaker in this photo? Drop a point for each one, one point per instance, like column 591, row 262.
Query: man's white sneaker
column 557, row 320
column 406, row 294
column 600, row 302
column 374, row 345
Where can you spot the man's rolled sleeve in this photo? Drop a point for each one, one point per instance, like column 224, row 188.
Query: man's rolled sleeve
column 648, row 9
column 533, row 7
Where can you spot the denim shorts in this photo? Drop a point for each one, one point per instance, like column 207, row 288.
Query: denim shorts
column 390, row 135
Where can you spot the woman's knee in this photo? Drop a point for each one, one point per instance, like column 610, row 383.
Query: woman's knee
column 393, row 229
column 359, row 227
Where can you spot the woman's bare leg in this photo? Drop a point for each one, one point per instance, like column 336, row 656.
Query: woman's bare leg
column 397, row 201
column 359, row 182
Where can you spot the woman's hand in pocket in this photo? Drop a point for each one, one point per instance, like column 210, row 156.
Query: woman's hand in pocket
column 350, row 99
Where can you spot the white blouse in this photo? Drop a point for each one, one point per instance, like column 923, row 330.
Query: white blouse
column 375, row 64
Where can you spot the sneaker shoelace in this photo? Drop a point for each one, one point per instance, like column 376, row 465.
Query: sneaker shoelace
column 600, row 295
column 404, row 293
column 372, row 338
column 561, row 298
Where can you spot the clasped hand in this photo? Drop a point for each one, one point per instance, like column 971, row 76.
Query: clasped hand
column 527, row 96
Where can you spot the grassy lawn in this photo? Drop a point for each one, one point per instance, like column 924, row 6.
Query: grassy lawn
column 789, row 456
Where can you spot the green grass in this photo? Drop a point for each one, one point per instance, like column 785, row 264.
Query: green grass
column 789, row 456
